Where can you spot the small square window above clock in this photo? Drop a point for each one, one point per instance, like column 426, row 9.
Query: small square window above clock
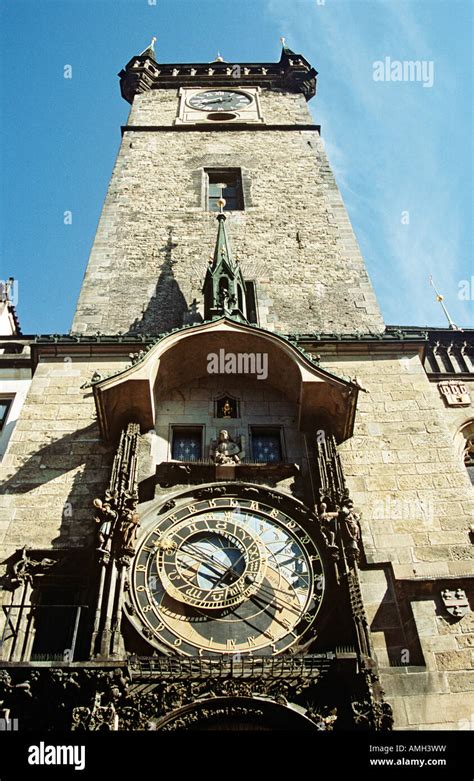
column 226, row 104
column 226, row 184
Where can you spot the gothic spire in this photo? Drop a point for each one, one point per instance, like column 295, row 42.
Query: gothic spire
column 222, row 250
column 224, row 286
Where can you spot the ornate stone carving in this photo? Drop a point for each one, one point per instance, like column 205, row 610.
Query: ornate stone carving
column 116, row 514
column 367, row 716
column 455, row 602
column 96, row 717
column 26, row 570
column 455, row 394
column 167, row 506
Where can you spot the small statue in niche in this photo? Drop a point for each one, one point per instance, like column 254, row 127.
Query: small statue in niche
column 130, row 522
column 225, row 450
column 350, row 521
column 328, row 524
column 105, row 517
column 226, row 409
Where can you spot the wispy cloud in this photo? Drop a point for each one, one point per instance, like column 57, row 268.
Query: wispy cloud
column 397, row 132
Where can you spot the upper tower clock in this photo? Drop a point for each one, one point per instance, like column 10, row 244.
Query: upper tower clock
column 220, row 100
column 219, row 105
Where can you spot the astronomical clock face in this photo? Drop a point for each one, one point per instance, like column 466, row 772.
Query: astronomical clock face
column 226, row 576
column 220, row 100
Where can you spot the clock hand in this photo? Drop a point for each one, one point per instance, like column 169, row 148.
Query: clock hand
column 202, row 561
column 212, row 565
column 230, row 570
column 226, row 570
column 205, row 558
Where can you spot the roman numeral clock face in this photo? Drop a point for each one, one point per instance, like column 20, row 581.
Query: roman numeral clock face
column 220, row 100
column 226, row 576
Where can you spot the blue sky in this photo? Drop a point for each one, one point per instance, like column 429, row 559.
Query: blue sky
column 402, row 153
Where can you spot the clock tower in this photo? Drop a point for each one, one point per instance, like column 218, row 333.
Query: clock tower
column 219, row 440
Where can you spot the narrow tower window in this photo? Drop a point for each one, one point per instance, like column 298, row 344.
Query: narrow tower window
column 224, row 183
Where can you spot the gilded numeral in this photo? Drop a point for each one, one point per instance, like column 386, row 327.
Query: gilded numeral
column 147, row 608
column 230, row 644
column 141, row 588
column 194, row 592
column 141, row 568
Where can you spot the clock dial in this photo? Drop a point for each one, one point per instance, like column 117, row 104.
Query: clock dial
column 220, row 100
column 227, row 576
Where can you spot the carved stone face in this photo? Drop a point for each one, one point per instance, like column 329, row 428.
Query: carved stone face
column 223, row 436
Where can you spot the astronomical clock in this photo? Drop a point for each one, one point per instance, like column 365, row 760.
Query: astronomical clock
column 226, row 576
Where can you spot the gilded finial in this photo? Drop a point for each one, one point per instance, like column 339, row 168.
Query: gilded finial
column 219, row 58
column 221, row 203
column 440, row 300
column 283, row 41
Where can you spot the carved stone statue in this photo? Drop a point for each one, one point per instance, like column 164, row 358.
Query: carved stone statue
column 350, row 520
column 328, row 524
column 130, row 522
column 105, row 517
column 225, row 450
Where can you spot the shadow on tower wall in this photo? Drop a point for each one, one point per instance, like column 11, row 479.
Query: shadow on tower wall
column 81, row 451
column 167, row 308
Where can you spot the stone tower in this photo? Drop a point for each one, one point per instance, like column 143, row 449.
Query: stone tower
column 234, row 498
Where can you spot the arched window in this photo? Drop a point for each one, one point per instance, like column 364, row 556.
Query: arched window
column 469, row 457
column 467, row 443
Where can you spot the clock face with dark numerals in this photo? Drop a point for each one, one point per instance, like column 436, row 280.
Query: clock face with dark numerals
column 220, row 100
column 226, row 576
